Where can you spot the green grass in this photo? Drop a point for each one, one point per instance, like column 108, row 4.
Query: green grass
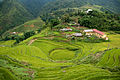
column 77, row 72
column 31, row 55
column 48, row 58
column 5, row 74
column 14, row 67
column 110, row 59
column 62, row 55
column 7, row 43
column 42, row 34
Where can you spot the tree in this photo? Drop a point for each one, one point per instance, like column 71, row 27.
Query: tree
column 29, row 34
column 53, row 22
column 66, row 18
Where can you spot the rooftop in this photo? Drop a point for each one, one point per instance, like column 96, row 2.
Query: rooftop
column 89, row 30
column 77, row 34
column 66, row 29
column 99, row 32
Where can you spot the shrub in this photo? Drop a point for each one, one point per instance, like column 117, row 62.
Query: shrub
column 93, row 39
column 118, row 32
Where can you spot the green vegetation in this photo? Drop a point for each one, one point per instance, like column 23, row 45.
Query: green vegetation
column 12, row 14
column 77, row 72
column 109, row 5
column 49, row 59
column 110, row 58
column 7, row 43
column 27, row 26
column 94, row 19
column 62, row 55
column 6, row 74
column 38, row 50
column 12, row 69
column 34, row 6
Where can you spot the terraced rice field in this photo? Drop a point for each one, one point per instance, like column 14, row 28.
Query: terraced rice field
column 62, row 55
column 111, row 58
column 53, row 60
column 77, row 72
column 29, row 54
column 6, row 74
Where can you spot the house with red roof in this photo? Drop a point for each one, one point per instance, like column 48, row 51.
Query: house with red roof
column 100, row 34
column 96, row 33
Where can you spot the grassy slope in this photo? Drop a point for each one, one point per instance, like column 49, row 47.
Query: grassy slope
column 37, row 55
column 7, row 43
column 6, row 74
column 78, row 72
column 12, row 14
column 38, row 23
column 29, row 54
column 62, row 55
column 110, row 59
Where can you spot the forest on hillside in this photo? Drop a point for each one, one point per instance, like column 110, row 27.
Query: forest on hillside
column 16, row 12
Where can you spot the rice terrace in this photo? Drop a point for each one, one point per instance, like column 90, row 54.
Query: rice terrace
column 59, row 40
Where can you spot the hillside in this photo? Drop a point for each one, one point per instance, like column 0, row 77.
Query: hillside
column 59, row 40
column 31, row 25
column 52, row 56
column 111, row 5
column 12, row 13
column 34, row 6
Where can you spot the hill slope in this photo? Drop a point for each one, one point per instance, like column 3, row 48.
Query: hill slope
column 12, row 13
column 112, row 5
column 31, row 25
column 34, row 6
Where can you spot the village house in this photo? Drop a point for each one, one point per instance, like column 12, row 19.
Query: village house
column 88, row 32
column 66, row 29
column 100, row 34
column 74, row 34
column 95, row 32
column 77, row 34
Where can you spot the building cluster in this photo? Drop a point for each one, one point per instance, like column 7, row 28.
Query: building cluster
column 88, row 32
column 96, row 33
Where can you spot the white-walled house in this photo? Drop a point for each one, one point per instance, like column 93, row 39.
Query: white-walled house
column 88, row 32
column 77, row 34
column 89, row 10
column 66, row 29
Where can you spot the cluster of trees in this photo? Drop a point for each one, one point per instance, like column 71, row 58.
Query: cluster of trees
column 19, row 38
column 100, row 21
column 111, row 5
column 94, row 39
column 94, row 19
column 34, row 6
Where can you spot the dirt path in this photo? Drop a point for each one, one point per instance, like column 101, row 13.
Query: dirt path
column 31, row 41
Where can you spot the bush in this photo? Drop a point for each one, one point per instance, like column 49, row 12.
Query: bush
column 93, row 39
column 118, row 32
